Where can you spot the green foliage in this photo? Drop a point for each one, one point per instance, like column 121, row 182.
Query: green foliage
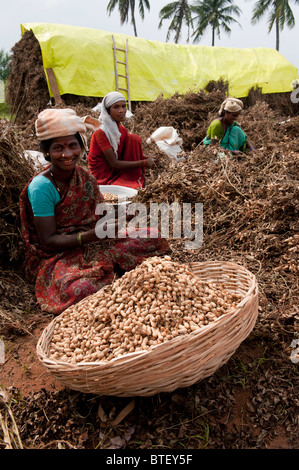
column 217, row 14
column 180, row 12
column 4, row 111
column 127, row 6
column 4, row 65
column 280, row 14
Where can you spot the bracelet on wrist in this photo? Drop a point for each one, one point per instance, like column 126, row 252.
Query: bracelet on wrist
column 79, row 239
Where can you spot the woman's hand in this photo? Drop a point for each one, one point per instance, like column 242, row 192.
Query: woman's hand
column 149, row 162
column 126, row 164
column 215, row 141
column 250, row 147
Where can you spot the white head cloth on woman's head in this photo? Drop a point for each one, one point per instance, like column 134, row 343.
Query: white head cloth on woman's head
column 232, row 105
column 52, row 123
column 108, row 125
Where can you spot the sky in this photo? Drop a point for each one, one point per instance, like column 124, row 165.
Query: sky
column 93, row 14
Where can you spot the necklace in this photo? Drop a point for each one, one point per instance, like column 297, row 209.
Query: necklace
column 55, row 182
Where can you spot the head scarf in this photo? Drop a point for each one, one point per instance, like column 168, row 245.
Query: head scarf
column 108, row 125
column 232, row 105
column 52, row 123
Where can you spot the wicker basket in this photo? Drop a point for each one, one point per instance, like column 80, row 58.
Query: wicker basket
column 178, row 363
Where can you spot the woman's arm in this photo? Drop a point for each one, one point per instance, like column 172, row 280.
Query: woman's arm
column 51, row 241
column 120, row 164
column 215, row 130
column 249, row 146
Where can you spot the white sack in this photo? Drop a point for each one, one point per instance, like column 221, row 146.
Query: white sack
column 168, row 140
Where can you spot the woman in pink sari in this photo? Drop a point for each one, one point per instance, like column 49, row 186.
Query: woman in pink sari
column 115, row 156
column 63, row 255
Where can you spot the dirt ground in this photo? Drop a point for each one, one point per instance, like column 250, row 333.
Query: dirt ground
column 251, row 218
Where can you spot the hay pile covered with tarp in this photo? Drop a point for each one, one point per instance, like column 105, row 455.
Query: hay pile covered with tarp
column 27, row 90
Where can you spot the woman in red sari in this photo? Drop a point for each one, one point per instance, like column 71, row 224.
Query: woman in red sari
column 115, row 156
column 63, row 255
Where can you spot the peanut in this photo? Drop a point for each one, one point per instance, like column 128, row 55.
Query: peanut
column 168, row 300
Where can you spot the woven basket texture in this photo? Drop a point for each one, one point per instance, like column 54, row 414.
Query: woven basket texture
column 177, row 363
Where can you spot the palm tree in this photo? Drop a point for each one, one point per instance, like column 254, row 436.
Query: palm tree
column 214, row 13
column 181, row 13
column 280, row 14
column 124, row 7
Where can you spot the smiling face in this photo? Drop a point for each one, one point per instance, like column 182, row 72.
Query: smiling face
column 231, row 117
column 118, row 111
column 65, row 152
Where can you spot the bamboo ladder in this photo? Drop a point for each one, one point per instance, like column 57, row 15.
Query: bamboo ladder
column 125, row 64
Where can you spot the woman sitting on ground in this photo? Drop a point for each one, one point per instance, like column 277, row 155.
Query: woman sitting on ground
column 225, row 130
column 115, row 156
column 58, row 221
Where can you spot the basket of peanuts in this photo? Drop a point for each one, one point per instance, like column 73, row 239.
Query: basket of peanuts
column 161, row 326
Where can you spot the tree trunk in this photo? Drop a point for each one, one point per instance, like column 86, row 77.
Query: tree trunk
column 213, row 36
column 133, row 17
column 277, row 34
column 135, row 29
column 178, row 32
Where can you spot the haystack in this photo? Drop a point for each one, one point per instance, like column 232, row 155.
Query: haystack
column 15, row 171
column 27, row 91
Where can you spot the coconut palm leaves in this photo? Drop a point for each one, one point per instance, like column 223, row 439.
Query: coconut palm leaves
column 280, row 14
column 126, row 8
column 180, row 12
column 214, row 14
column 200, row 15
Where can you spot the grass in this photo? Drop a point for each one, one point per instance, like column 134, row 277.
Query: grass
column 204, row 437
column 2, row 92
column 4, row 111
column 11, row 437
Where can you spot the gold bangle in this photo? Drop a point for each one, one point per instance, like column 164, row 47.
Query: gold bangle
column 79, row 239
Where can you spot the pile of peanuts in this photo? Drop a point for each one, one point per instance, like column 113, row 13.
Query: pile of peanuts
column 155, row 302
column 109, row 197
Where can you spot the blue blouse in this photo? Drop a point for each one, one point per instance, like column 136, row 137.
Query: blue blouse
column 43, row 196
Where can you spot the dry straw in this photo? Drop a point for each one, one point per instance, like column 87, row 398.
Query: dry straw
column 176, row 363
